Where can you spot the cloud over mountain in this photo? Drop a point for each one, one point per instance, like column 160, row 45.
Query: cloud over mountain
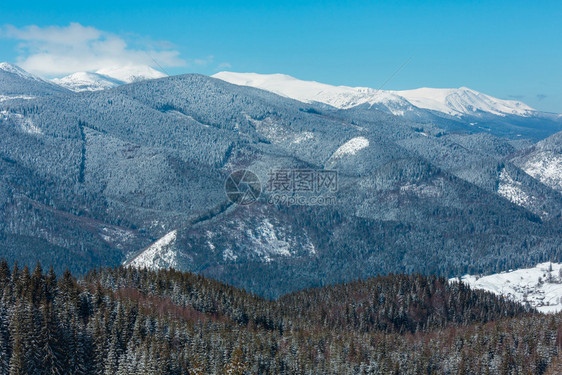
column 56, row 50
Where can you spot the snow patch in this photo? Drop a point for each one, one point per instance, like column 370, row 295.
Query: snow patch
column 538, row 286
column 351, row 147
column 511, row 189
column 547, row 168
column 228, row 255
column 159, row 255
column 25, row 124
column 267, row 241
column 302, row 137
column 4, row 98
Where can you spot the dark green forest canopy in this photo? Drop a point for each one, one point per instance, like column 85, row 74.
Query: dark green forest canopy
column 131, row 321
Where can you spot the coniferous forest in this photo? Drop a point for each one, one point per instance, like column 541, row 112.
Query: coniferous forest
column 131, row 321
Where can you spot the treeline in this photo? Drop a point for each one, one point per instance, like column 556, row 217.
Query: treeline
column 128, row 321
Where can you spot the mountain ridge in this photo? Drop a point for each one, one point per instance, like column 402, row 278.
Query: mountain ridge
column 455, row 102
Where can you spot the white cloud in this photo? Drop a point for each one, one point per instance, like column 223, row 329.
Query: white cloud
column 55, row 50
column 203, row 62
column 224, row 65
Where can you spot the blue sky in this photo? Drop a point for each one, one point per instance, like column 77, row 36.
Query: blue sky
column 508, row 49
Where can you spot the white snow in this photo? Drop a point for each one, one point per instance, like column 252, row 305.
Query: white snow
column 537, row 286
column 159, row 255
column 131, row 73
column 351, row 147
column 228, row 254
column 25, row 124
column 310, row 91
column 4, row 98
column 303, row 137
column 455, row 102
column 29, row 127
column 511, row 189
column 107, row 78
column 547, row 168
column 462, row 101
column 268, row 242
column 84, row 81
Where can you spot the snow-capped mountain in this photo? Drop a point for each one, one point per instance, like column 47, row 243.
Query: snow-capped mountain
column 309, row 91
column 84, row 81
column 131, row 73
column 540, row 286
column 463, row 101
column 454, row 102
column 107, row 78
column 14, row 69
column 16, row 84
column 92, row 81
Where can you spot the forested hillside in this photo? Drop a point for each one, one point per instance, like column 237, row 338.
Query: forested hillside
column 131, row 321
column 97, row 178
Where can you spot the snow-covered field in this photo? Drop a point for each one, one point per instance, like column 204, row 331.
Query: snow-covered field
column 540, row 286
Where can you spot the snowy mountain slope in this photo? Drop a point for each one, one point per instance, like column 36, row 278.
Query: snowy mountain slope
column 84, row 81
column 308, row 91
column 351, row 147
column 158, row 255
column 543, row 161
column 463, row 101
column 540, row 286
column 131, row 73
column 16, row 83
column 14, row 69
column 454, row 102
column 107, row 78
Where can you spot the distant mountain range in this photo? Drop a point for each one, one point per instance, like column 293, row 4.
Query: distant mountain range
column 462, row 107
column 135, row 173
column 107, row 78
column 455, row 102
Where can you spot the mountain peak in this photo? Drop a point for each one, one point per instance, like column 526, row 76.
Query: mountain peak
column 131, row 73
column 86, row 81
column 107, row 78
column 14, row 69
column 463, row 101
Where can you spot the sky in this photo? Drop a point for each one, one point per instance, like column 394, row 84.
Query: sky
column 507, row 49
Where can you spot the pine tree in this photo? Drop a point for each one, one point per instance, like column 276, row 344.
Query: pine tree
column 5, row 339
column 18, row 330
column 50, row 343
